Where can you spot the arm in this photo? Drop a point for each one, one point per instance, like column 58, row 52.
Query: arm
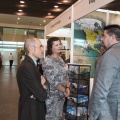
column 103, row 81
column 67, row 93
column 44, row 83
column 51, row 74
column 65, row 90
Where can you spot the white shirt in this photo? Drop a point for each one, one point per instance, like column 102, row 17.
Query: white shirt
column 10, row 57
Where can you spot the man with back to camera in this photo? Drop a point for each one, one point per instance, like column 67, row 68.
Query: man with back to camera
column 32, row 87
column 105, row 98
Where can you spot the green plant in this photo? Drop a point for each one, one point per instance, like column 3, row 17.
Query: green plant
column 22, row 53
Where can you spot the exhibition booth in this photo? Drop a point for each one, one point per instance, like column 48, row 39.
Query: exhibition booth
column 86, row 29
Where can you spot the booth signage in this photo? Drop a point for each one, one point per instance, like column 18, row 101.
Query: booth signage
column 80, row 9
column 60, row 21
column 91, row 1
column 84, row 7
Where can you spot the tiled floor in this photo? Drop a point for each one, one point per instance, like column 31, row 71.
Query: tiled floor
column 8, row 94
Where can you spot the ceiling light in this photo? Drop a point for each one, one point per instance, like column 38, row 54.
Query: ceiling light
column 22, row 5
column 17, row 22
column 44, row 21
column 22, row 2
column 50, row 17
column 110, row 11
column 49, row 13
column 18, row 18
column 59, row 3
column 40, row 24
column 56, row 6
column 19, row 13
column 65, row 1
column 20, row 10
column 56, row 10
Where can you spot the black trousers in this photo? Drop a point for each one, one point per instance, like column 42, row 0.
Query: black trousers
column 11, row 62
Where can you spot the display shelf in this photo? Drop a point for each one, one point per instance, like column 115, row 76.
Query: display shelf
column 77, row 102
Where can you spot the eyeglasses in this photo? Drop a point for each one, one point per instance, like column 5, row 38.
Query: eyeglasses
column 103, row 35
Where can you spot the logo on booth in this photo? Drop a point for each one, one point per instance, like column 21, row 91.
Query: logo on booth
column 91, row 1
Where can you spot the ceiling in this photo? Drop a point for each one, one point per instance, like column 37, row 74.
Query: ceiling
column 34, row 12
column 38, row 12
column 115, row 6
column 35, row 8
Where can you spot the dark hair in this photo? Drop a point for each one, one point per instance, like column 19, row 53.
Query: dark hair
column 49, row 45
column 113, row 30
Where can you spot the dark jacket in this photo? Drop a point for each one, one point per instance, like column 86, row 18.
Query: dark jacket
column 29, row 83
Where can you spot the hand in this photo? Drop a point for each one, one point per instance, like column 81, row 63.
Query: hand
column 32, row 97
column 67, row 92
column 67, row 83
column 43, row 80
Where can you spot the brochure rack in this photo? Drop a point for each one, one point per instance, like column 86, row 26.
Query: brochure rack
column 77, row 102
